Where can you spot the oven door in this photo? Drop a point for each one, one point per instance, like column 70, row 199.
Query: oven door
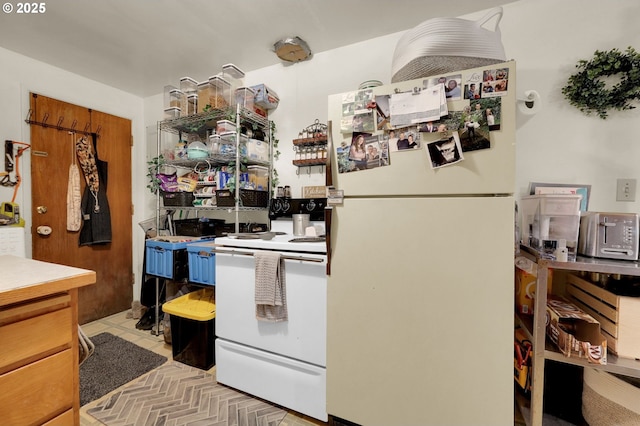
column 303, row 336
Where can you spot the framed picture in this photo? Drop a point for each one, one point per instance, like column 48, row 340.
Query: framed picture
column 536, row 188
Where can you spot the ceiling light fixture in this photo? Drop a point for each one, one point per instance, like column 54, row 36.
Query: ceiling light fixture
column 292, row 49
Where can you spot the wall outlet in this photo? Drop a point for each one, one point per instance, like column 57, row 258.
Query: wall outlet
column 626, row 190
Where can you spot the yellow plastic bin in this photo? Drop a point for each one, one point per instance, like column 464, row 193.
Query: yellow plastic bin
column 193, row 328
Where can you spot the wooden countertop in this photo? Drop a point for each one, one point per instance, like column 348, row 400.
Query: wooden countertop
column 23, row 279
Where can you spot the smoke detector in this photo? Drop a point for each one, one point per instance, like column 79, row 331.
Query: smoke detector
column 292, row 49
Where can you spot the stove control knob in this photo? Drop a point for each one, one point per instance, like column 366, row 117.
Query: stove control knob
column 311, row 205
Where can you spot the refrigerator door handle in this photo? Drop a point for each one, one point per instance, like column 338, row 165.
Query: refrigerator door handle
column 328, row 212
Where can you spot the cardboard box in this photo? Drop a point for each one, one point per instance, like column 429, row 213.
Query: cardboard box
column 526, row 276
column 575, row 332
column 522, row 360
column 265, row 97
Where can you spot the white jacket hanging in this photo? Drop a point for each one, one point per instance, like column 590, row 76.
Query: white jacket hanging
column 74, row 198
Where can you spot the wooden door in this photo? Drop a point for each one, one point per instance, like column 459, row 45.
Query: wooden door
column 52, row 151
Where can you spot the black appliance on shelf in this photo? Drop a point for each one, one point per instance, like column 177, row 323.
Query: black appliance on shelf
column 286, row 207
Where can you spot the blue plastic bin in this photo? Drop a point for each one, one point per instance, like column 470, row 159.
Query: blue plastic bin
column 167, row 257
column 202, row 263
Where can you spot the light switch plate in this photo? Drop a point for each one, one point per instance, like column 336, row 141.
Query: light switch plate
column 626, row 190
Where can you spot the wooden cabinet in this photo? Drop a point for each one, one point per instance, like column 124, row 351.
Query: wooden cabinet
column 39, row 340
column 536, row 326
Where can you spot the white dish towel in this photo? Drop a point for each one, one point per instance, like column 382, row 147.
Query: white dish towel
column 271, row 289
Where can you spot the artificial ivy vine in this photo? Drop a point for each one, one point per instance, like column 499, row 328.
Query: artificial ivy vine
column 587, row 91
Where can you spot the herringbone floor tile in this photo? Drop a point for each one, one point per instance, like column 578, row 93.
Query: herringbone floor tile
column 175, row 394
column 122, row 325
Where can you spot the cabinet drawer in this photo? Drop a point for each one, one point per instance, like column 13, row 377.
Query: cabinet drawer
column 619, row 316
column 38, row 391
column 33, row 338
column 64, row 419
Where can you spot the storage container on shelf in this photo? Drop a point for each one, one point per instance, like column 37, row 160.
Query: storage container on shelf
column 232, row 71
column 234, row 76
column 214, row 144
column 197, row 151
column 172, row 112
column 244, row 97
column 228, row 143
column 265, row 97
column 177, row 99
column 166, row 95
column 258, row 178
column 204, row 92
column 167, row 256
column 192, row 104
column 258, row 150
column 220, row 96
column 188, row 85
column 223, row 126
column 202, row 263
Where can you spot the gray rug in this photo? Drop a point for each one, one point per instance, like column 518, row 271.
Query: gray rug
column 114, row 363
column 176, row 394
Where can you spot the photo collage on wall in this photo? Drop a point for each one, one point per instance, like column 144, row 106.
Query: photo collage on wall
column 377, row 127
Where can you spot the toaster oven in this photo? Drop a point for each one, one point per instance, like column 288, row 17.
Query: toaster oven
column 609, row 235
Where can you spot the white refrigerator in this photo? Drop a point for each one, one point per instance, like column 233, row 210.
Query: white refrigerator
column 420, row 292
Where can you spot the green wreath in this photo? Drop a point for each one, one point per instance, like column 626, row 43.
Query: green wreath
column 586, row 91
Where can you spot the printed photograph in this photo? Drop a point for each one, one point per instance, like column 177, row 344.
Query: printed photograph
column 445, row 152
column 406, row 138
column 472, row 91
column 452, row 85
column 495, row 82
column 364, row 151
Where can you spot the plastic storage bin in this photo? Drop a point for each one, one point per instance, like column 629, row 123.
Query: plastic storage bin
column 258, row 178
column 197, row 227
column 224, row 126
column 193, row 328
column 258, row 150
column 244, row 97
column 265, row 97
column 167, row 257
column 202, row 263
column 188, row 85
column 173, row 112
column 220, row 92
column 204, row 91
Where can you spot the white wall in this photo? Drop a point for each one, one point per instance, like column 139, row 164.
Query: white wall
column 546, row 38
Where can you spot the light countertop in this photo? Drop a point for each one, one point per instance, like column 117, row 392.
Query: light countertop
column 22, row 278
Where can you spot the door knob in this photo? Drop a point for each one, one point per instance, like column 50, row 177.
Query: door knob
column 44, row 230
column 41, row 209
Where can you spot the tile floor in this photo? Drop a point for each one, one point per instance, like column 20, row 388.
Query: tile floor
column 120, row 325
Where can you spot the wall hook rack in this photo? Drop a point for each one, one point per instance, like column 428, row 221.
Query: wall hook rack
column 59, row 126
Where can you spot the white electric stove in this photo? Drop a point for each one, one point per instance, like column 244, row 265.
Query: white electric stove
column 282, row 362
